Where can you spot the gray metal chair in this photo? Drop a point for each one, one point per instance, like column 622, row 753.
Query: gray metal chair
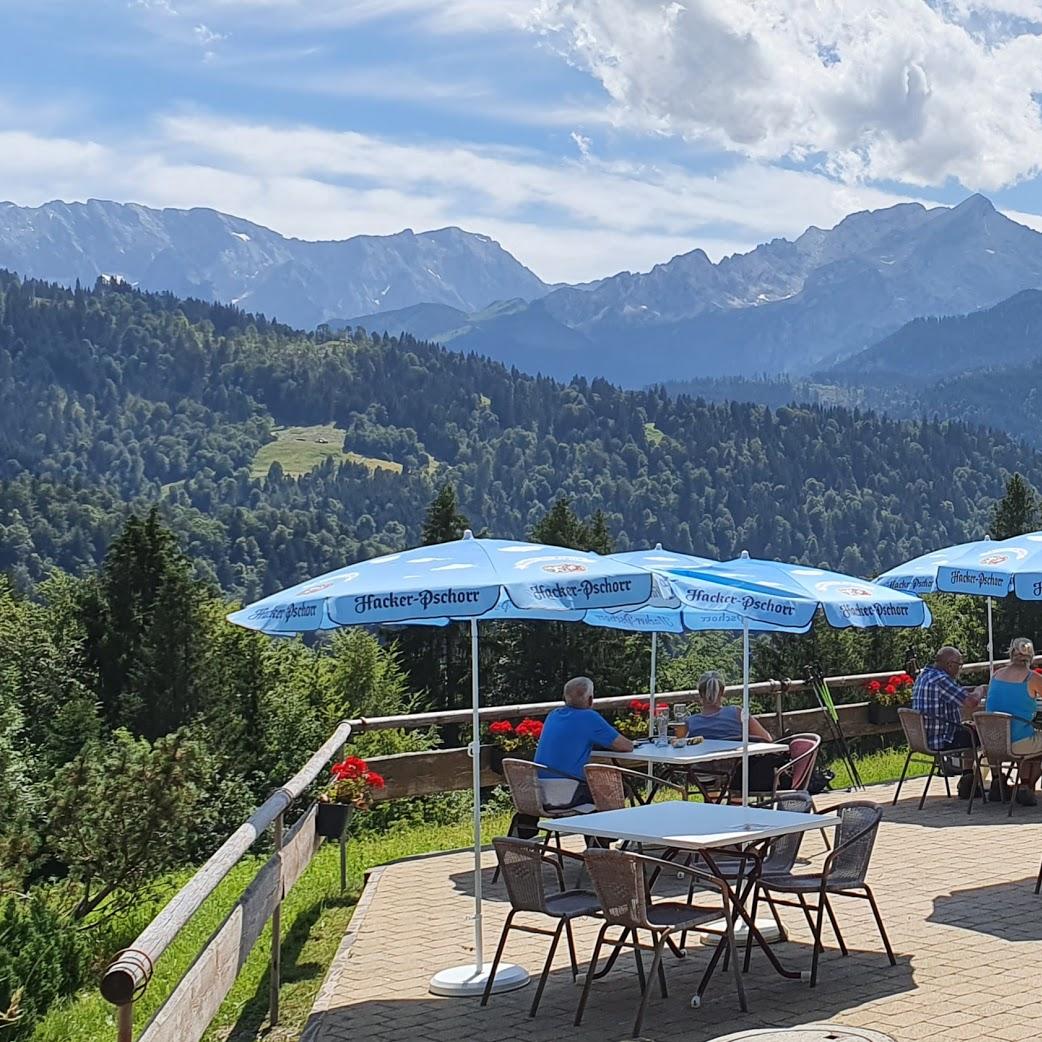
column 915, row 734
column 522, row 778
column 613, row 788
column 994, row 736
column 619, row 878
column 842, row 875
column 524, row 863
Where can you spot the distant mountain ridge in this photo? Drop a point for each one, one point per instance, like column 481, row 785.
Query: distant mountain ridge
column 785, row 307
column 215, row 256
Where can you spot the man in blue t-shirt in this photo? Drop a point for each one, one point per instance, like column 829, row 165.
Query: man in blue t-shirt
column 569, row 736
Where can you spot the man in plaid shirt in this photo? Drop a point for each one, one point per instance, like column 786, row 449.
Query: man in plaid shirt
column 940, row 699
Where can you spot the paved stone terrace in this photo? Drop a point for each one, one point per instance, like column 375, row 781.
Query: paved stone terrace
column 956, row 893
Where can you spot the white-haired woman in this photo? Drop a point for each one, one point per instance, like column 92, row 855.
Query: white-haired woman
column 724, row 723
column 1013, row 689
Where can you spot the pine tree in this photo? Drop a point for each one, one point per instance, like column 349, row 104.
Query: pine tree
column 437, row 659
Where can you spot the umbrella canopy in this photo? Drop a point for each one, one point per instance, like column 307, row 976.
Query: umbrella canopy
column 793, row 595
column 795, row 592
column 987, row 568
column 465, row 579
column 462, row 579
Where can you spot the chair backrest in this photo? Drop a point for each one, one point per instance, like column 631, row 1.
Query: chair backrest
column 607, row 786
column 915, row 730
column 994, row 736
column 785, row 849
column 618, row 880
column 803, row 754
column 523, row 778
column 858, row 826
column 523, row 864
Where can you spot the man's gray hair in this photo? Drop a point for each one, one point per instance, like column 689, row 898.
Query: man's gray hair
column 577, row 690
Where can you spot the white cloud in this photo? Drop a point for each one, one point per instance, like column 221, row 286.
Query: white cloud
column 569, row 220
column 897, row 90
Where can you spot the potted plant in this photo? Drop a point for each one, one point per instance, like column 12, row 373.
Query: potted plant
column 351, row 787
column 887, row 696
column 516, row 741
column 634, row 724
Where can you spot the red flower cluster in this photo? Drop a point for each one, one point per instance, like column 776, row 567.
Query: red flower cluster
column 501, row 727
column 529, row 729
column 639, row 706
column 354, row 768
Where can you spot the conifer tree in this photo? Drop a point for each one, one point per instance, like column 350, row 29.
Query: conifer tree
column 1016, row 513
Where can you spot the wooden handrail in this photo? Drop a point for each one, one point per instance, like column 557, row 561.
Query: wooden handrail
column 131, row 970
column 417, row 721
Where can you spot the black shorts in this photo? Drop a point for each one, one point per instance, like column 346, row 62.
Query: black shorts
column 963, row 739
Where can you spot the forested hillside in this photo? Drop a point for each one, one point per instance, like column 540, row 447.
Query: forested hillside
column 115, row 397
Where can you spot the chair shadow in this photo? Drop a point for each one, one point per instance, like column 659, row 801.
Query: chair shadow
column 1004, row 910
column 941, row 812
column 773, row 1002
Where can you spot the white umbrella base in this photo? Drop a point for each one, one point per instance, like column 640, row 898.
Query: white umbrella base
column 767, row 927
column 462, row 981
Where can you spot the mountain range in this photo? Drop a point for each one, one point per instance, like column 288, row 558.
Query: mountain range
column 836, row 301
column 207, row 254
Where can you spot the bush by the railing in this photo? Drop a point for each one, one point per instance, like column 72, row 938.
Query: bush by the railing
column 42, row 959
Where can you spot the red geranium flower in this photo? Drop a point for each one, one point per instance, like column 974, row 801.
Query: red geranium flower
column 374, row 779
column 529, row 729
column 639, row 706
column 874, row 687
column 501, row 727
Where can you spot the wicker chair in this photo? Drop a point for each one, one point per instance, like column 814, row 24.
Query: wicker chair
column 994, row 735
column 915, row 733
column 614, row 787
column 523, row 780
column 796, row 772
column 524, row 865
column 842, row 875
column 620, row 882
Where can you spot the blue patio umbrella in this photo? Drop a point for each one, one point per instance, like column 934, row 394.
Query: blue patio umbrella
column 466, row 579
column 786, row 597
column 673, row 618
column 985, row 568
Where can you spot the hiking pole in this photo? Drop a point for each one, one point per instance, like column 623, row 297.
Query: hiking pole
column 816, row 679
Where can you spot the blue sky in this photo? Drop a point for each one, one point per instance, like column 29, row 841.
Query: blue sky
column 587, row 136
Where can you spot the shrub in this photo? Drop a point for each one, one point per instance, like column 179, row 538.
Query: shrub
column 41, row 960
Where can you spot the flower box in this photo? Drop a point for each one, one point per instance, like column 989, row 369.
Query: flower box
column 882, row 714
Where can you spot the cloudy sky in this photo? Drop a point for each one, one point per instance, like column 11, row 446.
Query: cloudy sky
column 587, row 136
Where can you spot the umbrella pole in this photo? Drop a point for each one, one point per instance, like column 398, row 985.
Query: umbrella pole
column 745, row 712
column 652, row 684
column 469, row 980
column 475, row 757
column 991, row 643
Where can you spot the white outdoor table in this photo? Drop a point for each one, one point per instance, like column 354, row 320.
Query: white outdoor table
column 689, row 755
column 701, row 827
column 685, row 757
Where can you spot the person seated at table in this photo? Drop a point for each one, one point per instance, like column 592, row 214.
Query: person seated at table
column 940, row 699
column 1013, row 690
column 720, row 722
column 570, row 734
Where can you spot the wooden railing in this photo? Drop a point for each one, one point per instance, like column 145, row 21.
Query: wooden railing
column 187, row 1013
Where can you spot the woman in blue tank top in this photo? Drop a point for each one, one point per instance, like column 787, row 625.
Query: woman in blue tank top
column 1013, row 690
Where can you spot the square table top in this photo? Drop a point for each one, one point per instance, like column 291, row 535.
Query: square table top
column 710, row 749
column 690, row 826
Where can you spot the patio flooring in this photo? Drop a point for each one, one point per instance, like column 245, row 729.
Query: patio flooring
column 956, row 894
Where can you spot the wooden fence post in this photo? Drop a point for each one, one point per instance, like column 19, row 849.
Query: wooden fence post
column 276, row 940
column 343, row 842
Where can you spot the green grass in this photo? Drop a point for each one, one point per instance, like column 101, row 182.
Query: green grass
column 878, row 767
column 300, row 450
column 314, row 916
column 652, row 434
